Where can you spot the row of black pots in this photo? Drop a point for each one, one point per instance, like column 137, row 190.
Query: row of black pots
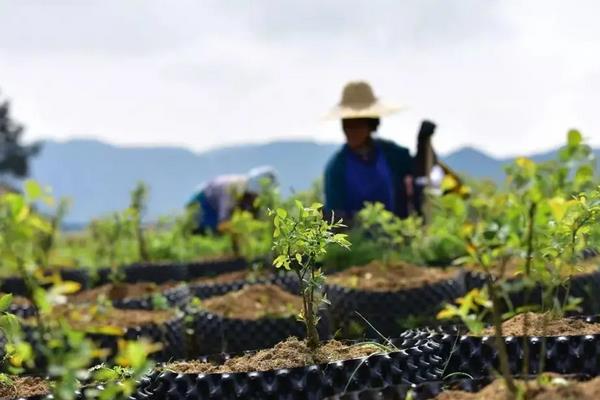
column 310, row 382
column 383, row 312
column 157, row 273
column 477, row 355
column 424, row 356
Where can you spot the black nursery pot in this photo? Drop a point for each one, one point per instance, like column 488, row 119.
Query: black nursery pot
column 177, row 297
column 171, row 335
column 157, row 273
column 22, row 310
column 306, row 383
column 385, row 311
column 477, row 356
column 16, row 285
column 215, row 334
column 211, row 268
column 287, row 282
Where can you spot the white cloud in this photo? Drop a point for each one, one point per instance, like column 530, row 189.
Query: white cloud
column 509, row 77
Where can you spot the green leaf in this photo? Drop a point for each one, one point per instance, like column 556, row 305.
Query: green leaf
column 316, row 206
column 10, row 324
column 33, row 190
column 574, row 138
column 5, row 301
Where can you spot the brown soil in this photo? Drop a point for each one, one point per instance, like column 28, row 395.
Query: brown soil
column 589, row 390
column 120, row 291
column 223, row 278
column 92, row 318
column 254, row 302
column 554, row 327
column 290, row 353
column 377, row 277
column 25, row 386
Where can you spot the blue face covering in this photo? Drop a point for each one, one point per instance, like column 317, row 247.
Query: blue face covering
column 368, row 181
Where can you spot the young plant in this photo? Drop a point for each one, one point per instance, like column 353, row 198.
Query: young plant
column 48, row 239
column 254, row 236
column 471, row 310
column 300, row 237
column 137, row 208
column 392, row 234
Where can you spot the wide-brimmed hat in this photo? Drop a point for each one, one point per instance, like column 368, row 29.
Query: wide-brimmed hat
column 359, row 101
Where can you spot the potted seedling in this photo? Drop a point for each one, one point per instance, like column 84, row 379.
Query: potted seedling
column 264, row 314
column 306, row 368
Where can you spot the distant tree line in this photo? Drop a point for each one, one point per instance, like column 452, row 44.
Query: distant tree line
column 14, row 155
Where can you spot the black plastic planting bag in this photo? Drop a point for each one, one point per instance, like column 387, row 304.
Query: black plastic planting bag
column 157, row 273
column 210, row 268
column 477, row 356
column 22, row 310
column 206, row 290
column 177, row 297
column 16, row 285
column 311, row 382
column 215, row 334
column 385, row 311
column 171, row 336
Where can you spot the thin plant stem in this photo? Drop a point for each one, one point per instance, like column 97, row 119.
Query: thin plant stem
column 528, row 260
column 500, row 345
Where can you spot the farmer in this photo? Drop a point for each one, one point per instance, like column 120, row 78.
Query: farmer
column 218, row 198
column 366, row 168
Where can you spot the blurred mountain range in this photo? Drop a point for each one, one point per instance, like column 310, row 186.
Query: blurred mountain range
column 98, row 176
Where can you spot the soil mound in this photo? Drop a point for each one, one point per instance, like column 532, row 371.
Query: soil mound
column 378, row 277
column 290, row 353
column 254, row 302
column 554, row 327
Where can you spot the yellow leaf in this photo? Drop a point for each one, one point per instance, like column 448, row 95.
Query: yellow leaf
column 446, row 313
column 67, row 287
column 449, row 183
column 524, row 162
column 107, row 330
column 557, row 207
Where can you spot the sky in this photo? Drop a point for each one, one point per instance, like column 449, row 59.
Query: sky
column 507, row 76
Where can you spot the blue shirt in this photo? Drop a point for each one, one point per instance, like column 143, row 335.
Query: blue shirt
column 368, row 181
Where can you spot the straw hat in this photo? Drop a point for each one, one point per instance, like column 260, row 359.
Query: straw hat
column 359, row 101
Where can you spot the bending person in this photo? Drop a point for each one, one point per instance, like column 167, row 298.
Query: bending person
column 217, row 199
